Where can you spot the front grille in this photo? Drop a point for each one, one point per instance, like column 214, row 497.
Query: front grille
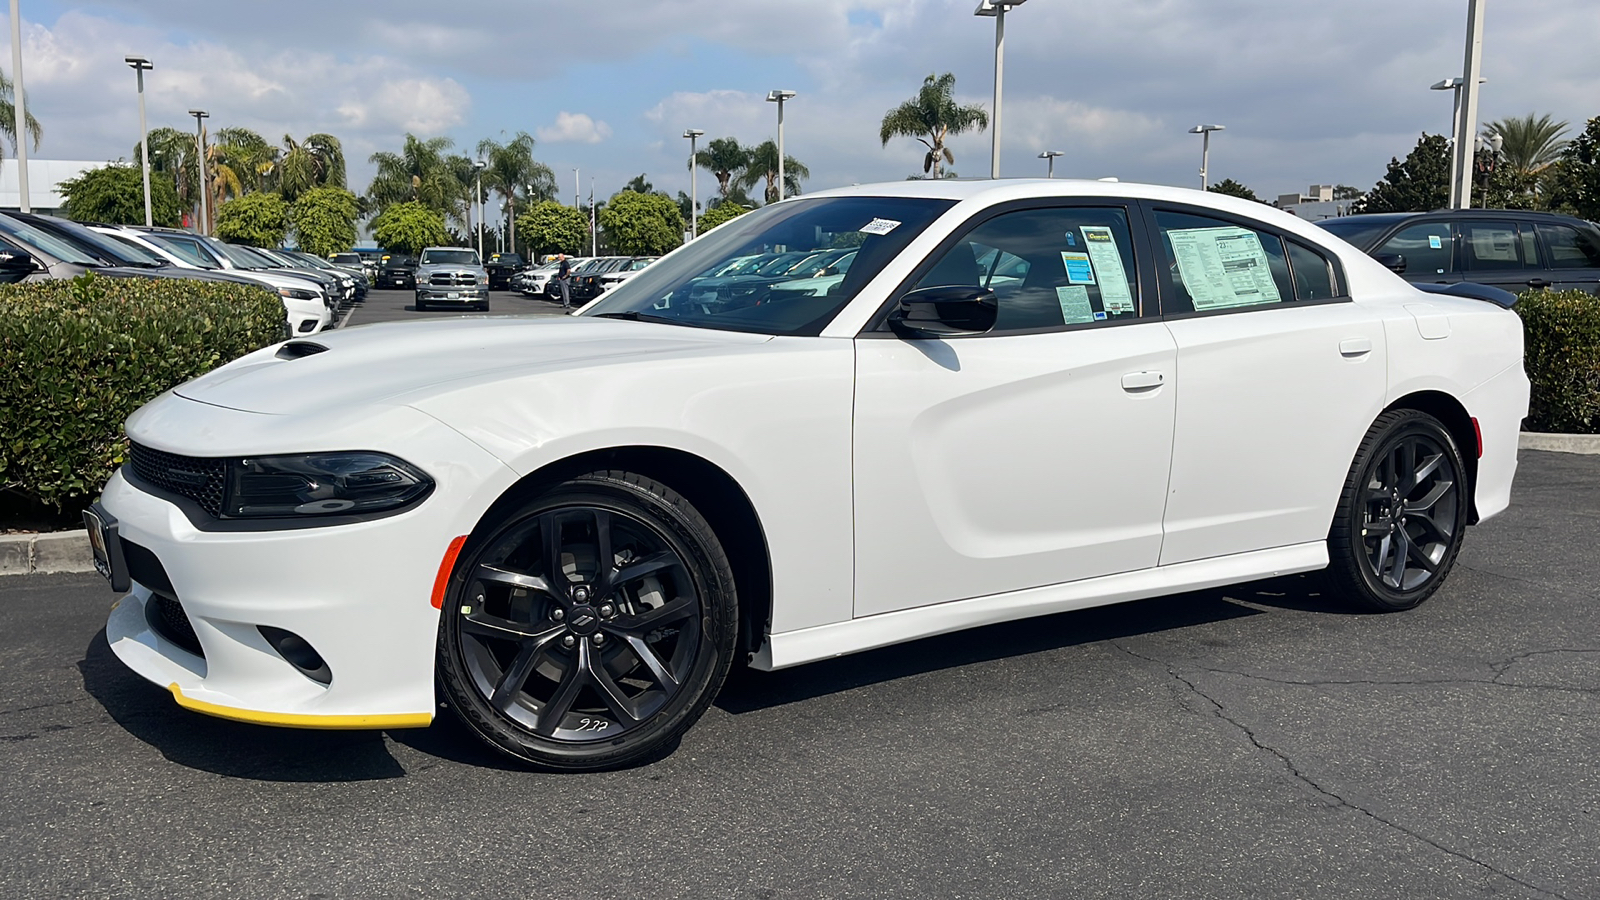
column 198, row 478
column 446, row 279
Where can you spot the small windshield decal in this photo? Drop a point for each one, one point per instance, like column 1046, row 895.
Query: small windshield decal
column 879, row 226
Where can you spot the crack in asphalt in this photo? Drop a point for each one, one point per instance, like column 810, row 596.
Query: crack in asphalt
column 1499, row 667
column 55, row 703
column 1335, row 800
column 1520, row 580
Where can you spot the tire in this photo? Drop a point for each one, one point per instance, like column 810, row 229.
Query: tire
column 420, row 306
column 1402, row 514
column 556, row 674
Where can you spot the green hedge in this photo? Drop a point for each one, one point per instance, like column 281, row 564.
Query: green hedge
column 1563, row 360
column 78, row 357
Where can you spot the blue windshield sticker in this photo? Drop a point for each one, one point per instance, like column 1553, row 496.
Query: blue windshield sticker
column 1434, row 242
column 1079, row 271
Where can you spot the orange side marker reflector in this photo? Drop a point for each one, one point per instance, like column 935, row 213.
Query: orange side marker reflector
column 1477, row 431
column 446, row 566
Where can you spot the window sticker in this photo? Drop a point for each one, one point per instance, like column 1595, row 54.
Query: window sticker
column 1079, row 271
column 1494, row 244
column 1434, row 242
column 1075, row 308
column 1115, row 295
column 1072, row 239
column 879, row 226
column 1223, row 267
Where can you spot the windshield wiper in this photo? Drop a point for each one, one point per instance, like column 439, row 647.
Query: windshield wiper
column 634, row 315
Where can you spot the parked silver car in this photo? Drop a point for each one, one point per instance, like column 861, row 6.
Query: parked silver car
column 451, row 276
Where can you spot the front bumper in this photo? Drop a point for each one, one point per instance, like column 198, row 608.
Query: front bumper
column 443, row 294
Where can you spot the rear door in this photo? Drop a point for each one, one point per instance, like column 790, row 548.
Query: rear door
column 1572, row 257
column 1500, row 253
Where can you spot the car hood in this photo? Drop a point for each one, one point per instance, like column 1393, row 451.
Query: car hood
column 452, row 268
column 405, row 362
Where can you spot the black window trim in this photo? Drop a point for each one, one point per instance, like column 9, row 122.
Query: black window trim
column 877, row 327
column 1164, row 285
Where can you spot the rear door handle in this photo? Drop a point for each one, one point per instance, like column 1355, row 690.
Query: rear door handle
column 1538, row 283
column 1142, row 381
column 1355, row 347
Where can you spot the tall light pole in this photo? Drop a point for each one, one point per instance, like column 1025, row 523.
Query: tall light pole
column 694, row 190
column 576, row 202
column 1049, row 156
column 1205, row 150
column 997, row 9
column 200, row 141
column 477, row 170
column 139, row 65
column 778, row 97
column 19, row 101
column 1454, row 86
column 1467, row 122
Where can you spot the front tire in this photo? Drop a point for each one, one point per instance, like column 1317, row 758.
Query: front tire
column 591, row 626
column 1402, row 516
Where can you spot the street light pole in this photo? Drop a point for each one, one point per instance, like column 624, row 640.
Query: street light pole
column 997, row 9
column 139, row 64
column 205, row 183
column 778, row 97
column 1049, row 156
column 1467, row 125
column 694, row 191
column 19, row 102
column 477, row 167
column 1205, row 151
column 1453, row 85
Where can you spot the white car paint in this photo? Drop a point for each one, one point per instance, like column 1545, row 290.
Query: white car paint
column 903, row 488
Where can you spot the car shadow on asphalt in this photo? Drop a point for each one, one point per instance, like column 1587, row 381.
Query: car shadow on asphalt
column 750, row 690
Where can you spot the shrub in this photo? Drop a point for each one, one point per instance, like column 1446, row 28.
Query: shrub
column 1563, row 360
column 78, row 357
column 258, row 219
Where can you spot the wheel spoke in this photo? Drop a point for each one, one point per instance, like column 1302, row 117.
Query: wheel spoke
column 1397, row 574
column 610, row 691
column 1431, row 499
column 554, row 569
column 498, row 575
column 555, row 709
column 1408, row 466
column 672, row 611
column 1441, row 532
column 515, row 676
column 1422, row 559
column 1428, row 467
column 484, row 625
column 607, row 558
column 647, row 655
column 645, row 565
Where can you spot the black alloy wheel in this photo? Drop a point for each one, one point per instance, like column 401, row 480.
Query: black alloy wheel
column 1404, row 512
column 591, row 627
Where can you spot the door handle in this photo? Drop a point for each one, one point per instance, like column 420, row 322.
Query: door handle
column 1142, row 381
column 1538, row 283
column 1355, row 347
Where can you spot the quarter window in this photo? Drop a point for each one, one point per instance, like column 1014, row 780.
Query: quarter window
column 1049, row 268
column 1313, row 274
column 1215, row 264
column 1570, row 248
column 1427, row 247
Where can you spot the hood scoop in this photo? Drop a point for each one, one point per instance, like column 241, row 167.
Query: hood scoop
column 298, row 349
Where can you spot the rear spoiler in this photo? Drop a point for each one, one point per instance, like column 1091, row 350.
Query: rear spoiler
column 1484, row 292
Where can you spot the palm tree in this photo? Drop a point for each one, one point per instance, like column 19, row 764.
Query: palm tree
column 249, row 157
column 724, row 158
column 318, row 161
column 1529, row 144
column 8, row 116
column 931, row 117
column 763, row 166
column 511, row 166
column 418, row 172
column 173, row 153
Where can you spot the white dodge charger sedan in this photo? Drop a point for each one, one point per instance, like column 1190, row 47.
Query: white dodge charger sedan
column 1022, row 397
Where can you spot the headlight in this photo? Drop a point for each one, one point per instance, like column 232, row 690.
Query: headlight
column 297, row 294
column 321, row 484
column 483, row 279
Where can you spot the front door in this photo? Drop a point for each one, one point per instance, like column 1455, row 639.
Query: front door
column 1032, row 455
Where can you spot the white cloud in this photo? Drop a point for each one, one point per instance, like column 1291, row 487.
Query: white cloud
column 575, row 128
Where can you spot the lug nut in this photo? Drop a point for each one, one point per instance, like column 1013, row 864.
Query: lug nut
column 607, row 610
column 569, row 642
column 558, row 614
column 599, row 639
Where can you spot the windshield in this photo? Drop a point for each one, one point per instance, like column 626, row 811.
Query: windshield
column 186, row 250
column 686, row 288
column 135, row 250
column 449, row 257
column 49, row 243
column 102, row 245
column 242, row 256
column 347, row 259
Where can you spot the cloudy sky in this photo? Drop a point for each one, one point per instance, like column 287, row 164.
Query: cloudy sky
column 1311, row 91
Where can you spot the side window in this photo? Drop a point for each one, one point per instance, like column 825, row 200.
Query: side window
column 1313, row 274
column 1570, row 248
column 1049, row 268
column 1428, row 248
column 1489, row 245
column 186, row 251
column 1215, row 264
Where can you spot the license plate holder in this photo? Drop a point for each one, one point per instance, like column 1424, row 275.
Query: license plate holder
column 107, row 547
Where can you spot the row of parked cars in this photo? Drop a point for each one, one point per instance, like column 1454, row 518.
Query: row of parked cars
column 314, row 291
column 590, row 276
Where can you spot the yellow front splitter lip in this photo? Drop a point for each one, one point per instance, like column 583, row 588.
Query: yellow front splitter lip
column 301, row 720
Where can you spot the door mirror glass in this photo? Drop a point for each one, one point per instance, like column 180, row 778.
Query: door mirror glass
column 1394, row 262
column 945, row 310
column 15, row 266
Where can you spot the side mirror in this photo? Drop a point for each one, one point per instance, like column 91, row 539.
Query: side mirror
column 15, row 266
column 1394, row 262
column 945, row 310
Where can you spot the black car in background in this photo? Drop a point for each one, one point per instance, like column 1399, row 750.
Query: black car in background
column 397, row 270
column 501, row 266
column 1510, row 249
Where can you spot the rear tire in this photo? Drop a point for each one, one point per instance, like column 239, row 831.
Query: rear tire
column 605, row 656
column 1402, row 515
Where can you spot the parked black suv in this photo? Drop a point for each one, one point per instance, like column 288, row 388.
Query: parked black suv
column 1510, row 249
column 501, row 266
column 397, row 270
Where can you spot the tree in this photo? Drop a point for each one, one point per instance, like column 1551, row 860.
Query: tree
column 724, row 158
column 259, row 219
column 763, row 166
column 642, row 224
column 417, row 174
column 318, row 161
column 1346, row 192
column 1233, row 189
column 247, row 154
column 718, row 214
column 511, row 167
column 640, row 185
column 1419, row 184
column 549, row 227
column 8, row 117
column 931, row 117
column 114, row 194
column 324, row 220
column 173, row 155
column 1529, row 144
column 1575, row 180
column 408, row 227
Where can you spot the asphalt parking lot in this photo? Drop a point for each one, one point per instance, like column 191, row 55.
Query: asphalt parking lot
column 1255, row 742
column 387, row 305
